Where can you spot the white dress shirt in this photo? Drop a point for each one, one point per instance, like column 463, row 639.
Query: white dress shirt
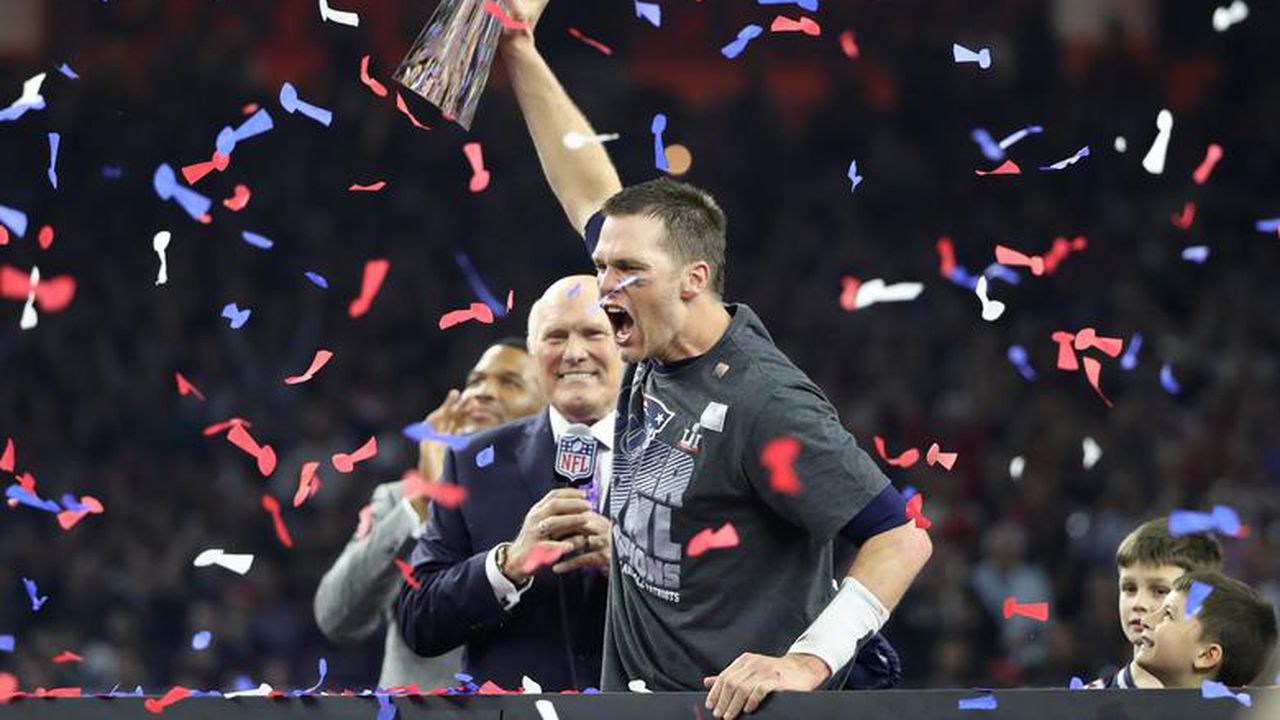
column 505, row 590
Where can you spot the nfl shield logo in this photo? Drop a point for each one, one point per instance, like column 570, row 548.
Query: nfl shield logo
column 576, row 458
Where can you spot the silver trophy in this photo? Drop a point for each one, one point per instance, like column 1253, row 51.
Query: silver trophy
column 449, row 62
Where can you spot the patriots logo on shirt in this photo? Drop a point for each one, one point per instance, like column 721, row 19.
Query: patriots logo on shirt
column 656, row 415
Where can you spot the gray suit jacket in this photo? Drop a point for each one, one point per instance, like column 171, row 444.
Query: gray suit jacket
column 357, row 595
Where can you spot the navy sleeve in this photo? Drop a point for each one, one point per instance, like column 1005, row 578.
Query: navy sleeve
column 886, row 511
column 591, row 233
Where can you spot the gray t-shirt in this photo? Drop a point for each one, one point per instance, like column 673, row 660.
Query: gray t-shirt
column 688, row 457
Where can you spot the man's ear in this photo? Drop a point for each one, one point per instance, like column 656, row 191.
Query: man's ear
column 1208, row 658
column 695, row 279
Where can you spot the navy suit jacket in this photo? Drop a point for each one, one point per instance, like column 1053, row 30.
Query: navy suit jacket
column 456, row 604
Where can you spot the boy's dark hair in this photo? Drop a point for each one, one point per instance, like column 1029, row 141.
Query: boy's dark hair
column 1236, row 617
column 1151, row 544
column 511, row 341
column 694, row 223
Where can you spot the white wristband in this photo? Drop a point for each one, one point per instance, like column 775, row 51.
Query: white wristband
column 851, row 617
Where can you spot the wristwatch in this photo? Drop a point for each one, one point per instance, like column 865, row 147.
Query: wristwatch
column 500, row 559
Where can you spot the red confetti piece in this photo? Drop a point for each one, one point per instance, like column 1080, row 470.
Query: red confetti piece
column 321, row 359
column 186, row 388
column 272, row 506
column 576, row 33
column 540, row 556
column 4, row 235
column 1088, row 338
column 52, row 295
column 908, row 457
column 915, row 512
column 946, row 257
column 376, row 87
column 309, row 483
column 238, row 199
column 68, row 519
column 508, row 22
column 1183, row 221
column 1211, row 157
column 708, row 539
column 479, row 176
column 196, row 172
column 174, row 695
column 216, row 428
column 8, row 459
column 66, row 656
column 1014, row 258
column 1035, row 611
column 264, row 454
column 249, row 108
column 478, row 311
column 371, row 187
column 8, row 687
column 806, row 25
column 45, row 238
column 849, row 45
column 1008, row 167
column 1066, row 357
column 447, row 495
column 375, row 271
column 1092, row 371
column 346, row 462
column 935, row 456
column 777, row 457
column 406, row 572
column 1060, row 249
column 849, row 293
column 403, row 108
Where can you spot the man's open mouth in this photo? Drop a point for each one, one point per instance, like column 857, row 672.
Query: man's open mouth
column 623, row 324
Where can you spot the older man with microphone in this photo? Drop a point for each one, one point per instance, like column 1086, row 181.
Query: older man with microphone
column 517, row 572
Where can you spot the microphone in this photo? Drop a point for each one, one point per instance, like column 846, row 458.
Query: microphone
column 576, row 456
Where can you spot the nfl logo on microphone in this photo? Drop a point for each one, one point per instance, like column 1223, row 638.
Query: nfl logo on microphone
column 576, row 457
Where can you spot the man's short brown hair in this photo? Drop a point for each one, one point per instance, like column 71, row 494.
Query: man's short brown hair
column 694, row 222
column 1152, row 544
column 1236, row 617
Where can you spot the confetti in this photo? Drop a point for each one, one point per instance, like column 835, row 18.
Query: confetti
column 1196, row 253
column 406, row 572
column 1008, row 167
column 45, row 237
column 993, row 150
column 29, row 316
column 854, row 178
column 256, row 240
column 707, row 539
column 495, row 10
column 54, row 140
column 374, row 86
column 1196, row 595
column 849, row 45
column 195, row 172
column 1087, row 338
column 239, row 198
column 66, row 70
column 1016, row 466
column 322, row 357
column 777, row 457
column 745, row 35
column 166, row 186
column 272, row 506
column 1213, row 690
column 1154, row 160
column 372, row 187
column 317, row 279
column 309, row 483
column 265, row 455
column 200, row 640
column 77, row 511
column 1225, row 17
column 870, row 292
column 935, row 456
column 1211, row 157
column 576, row 140
column 235, row 316
column 908, row 457
column 479, row 312
column 1130, row 359
column 576, row 33
column 656, row 127
column 962, row 54
column 1034, row 611
column 342, row 17
column 346, row 462
column 546, row 711
column 1064, row 164
column 484, row 458
column 479, row 176
column 1121, row 144
column 7, row 458
column 1018, row 356
column 14, row 219
column 803, row 24
column 423, row 431
column 66, row 656
column 30, row 99
column 375, row 271
column 185, row 387
column 649, row 11
column 1263, row 226
column 6, row 643
column 37, row 601
column 291, row 103
column 982, row 702
column 174, row 695
column 1222, row 520
column 991, row 309
column 256, row 124
column 449, row 495
column 1167, row 380
column 238, row 564
column 1091, row 453
column 404, row 110
column 1188, row 216
column 810, row 5
column 159, row 244
column 915, row 511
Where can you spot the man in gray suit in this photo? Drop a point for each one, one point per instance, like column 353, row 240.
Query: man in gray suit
column 358, row 593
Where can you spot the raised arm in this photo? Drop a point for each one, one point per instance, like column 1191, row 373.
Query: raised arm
column 581, row 179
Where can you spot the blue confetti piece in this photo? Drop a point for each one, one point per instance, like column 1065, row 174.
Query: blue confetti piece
column 1167, row 380
column 657, row 127
column 1196, row 596
column 117, row 692
column 66, row 70
column 962, row 54
column 960, row 276
column 256, row 124
column 291, row 103
column 1212, row 690
column 14, row 219
column 1063, row 164
column 991, row 149
column 112, row 172
column 982, row 702
column 386, row 709
column 54, row 140
column 200, row 640
column 1075, row 684
column 1018, row 356
column 166, row 186
column 484, row 458
column 257, row 240
column 854, row 178
column 908, row 491
column 1187, row 522
column 69, row 502
column 477, row 284
column 1130, row 359
column 1268, row 226
column 1196, row 254
column 32, row 592
column 26, row 497
column 237, row 316
column 318, row 279
column 745, row 35
column 649, row 11
column 810, row 5
column 996, row 271
column 6, row 643
column 423, row 431
column 324, row 671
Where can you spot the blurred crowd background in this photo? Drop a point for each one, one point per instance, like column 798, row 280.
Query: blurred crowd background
column 90, row 400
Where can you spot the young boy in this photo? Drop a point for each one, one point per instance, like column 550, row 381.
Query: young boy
column 1229, row 638
column 1149, row 560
